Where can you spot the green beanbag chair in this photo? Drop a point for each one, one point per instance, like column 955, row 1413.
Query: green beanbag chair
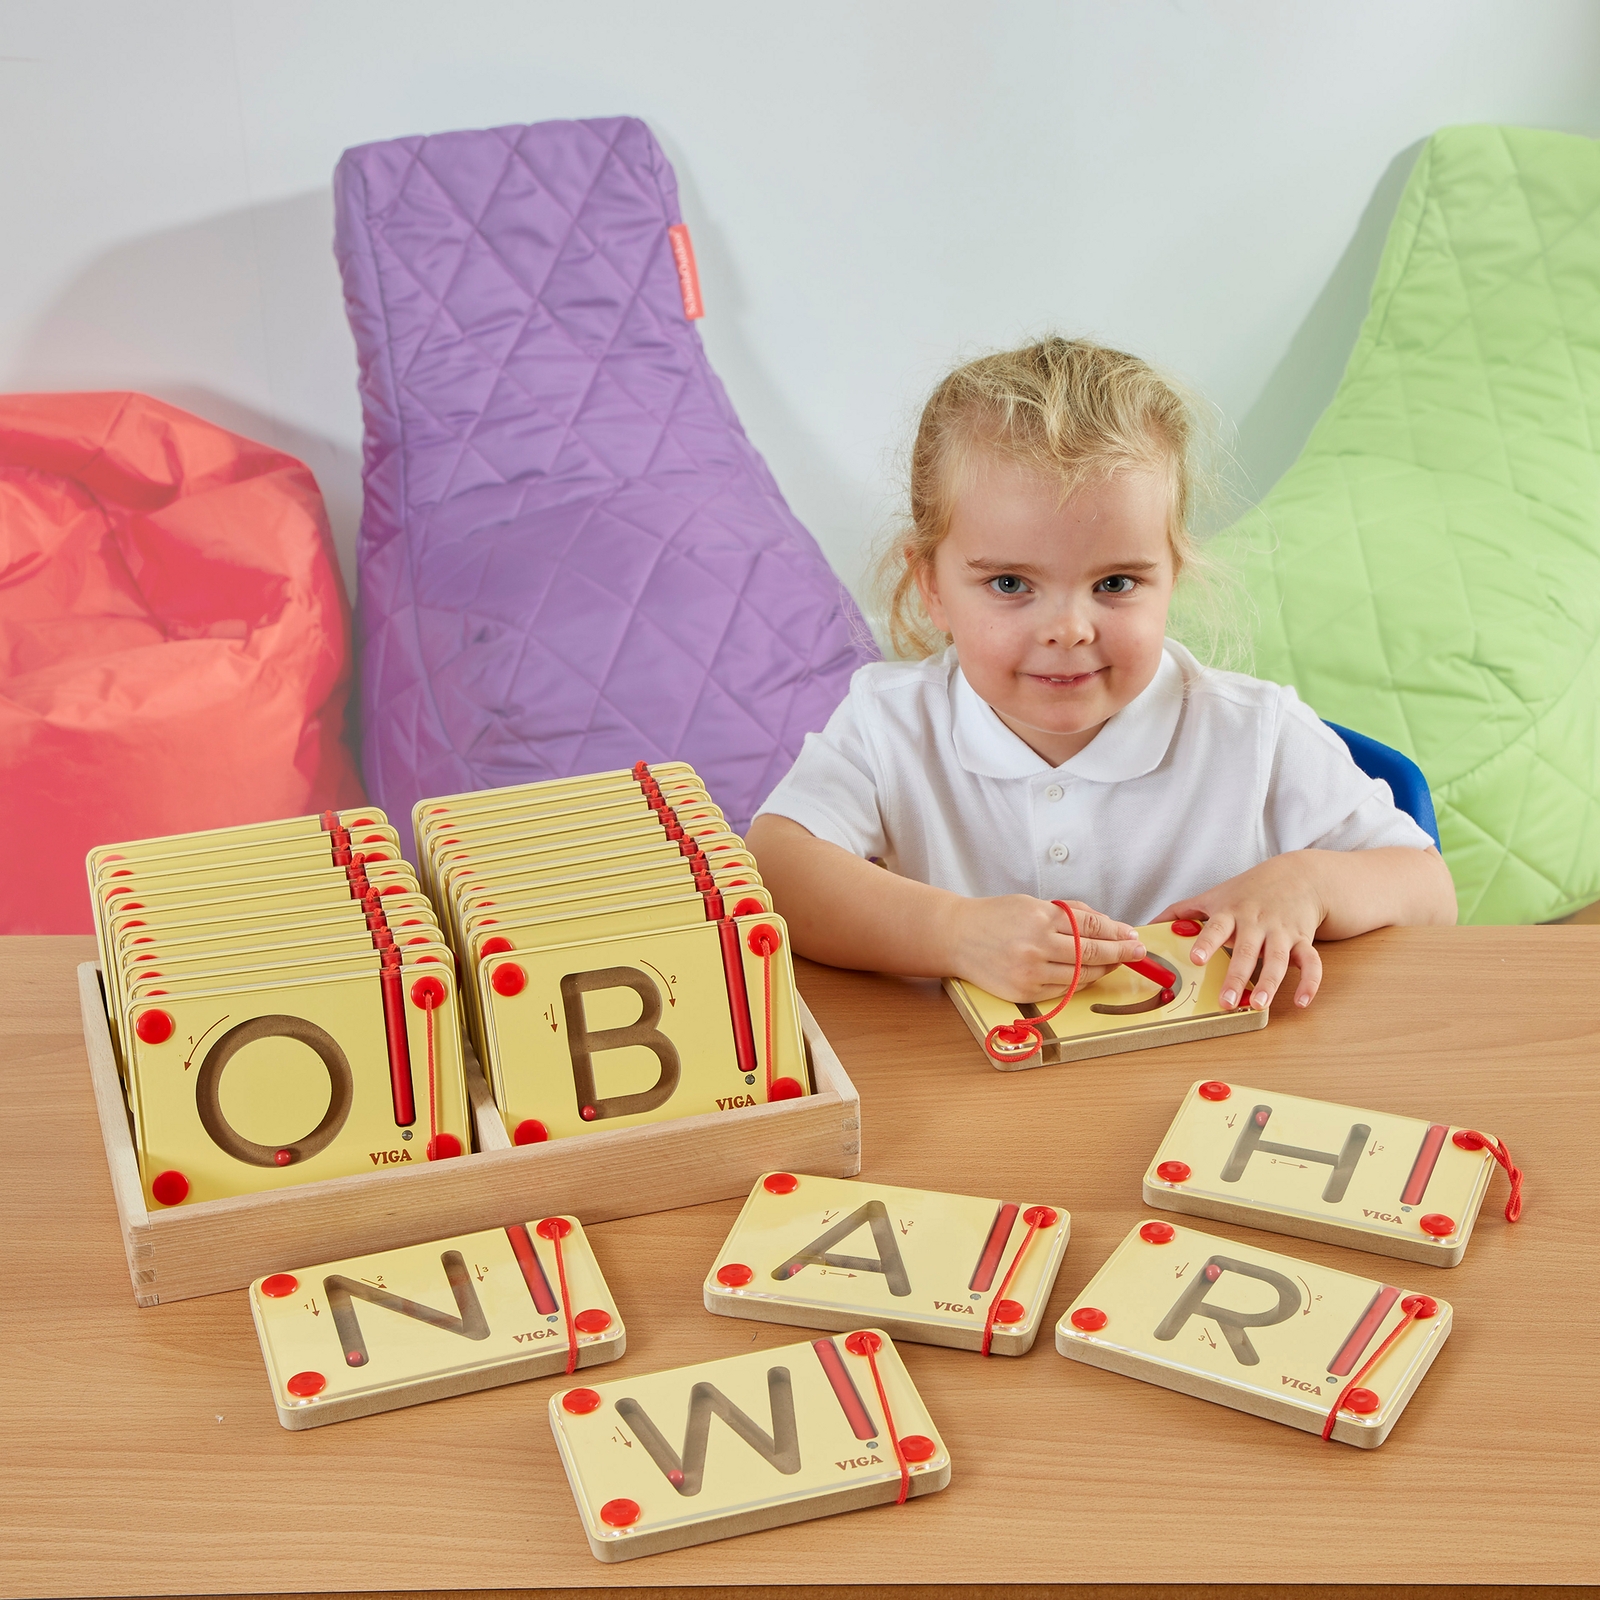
column 1428, row 571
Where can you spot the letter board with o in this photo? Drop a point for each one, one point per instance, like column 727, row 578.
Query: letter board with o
column 1398, row 1186
column 1280, row 1338
column 669, row 1459
column 627, row 1030
column 1124, row 1010
column 948, row 1269
column 377, row 1332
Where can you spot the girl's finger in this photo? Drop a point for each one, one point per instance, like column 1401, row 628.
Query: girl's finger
column 1213, row 936
column 1094, row 924
column 1102, row 953
column 1246, row 948
column 1274, row 963
column 1310, row 965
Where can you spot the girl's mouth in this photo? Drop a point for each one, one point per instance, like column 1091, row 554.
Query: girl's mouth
column 1075, row 680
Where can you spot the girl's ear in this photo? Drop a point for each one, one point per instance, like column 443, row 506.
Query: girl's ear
column 928, row 588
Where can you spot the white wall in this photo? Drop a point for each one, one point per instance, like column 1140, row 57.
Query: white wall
column 873, row 186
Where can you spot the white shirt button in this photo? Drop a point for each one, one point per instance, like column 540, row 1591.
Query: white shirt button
column 1059, row 852
column 1054, row 792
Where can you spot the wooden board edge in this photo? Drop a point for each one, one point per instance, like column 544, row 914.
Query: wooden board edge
column 1166, row 1198
column 487, row 1122
column 116, row 1131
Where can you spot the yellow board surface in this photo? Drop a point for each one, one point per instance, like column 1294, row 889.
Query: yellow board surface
column 264, row 832
column 1398, row 1186
column 925, row 1266
column 640, row 1028
column 377, row 1332
column 669, row 1459
column 242, row 1088
column 1123, row 1011
column 1253, row 1330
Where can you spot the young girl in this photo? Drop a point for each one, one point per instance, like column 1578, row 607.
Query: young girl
column 1052, row 743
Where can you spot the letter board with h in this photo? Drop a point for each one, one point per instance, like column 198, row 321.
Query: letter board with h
column 1256, row 1331
column 669, row 1459
column 377, row 1332
column 1397, row 1186
column 929, row 1267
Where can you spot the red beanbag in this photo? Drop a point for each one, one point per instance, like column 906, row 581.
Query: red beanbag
column 174, row 640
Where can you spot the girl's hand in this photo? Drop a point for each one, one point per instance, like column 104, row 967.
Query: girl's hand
column 1021, row 949
column 1269, row 915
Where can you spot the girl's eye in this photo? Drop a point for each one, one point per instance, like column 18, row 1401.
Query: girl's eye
column 1120, row 584
column 1008, row 583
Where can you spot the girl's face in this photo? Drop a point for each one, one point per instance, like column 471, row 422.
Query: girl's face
column 1057, row 608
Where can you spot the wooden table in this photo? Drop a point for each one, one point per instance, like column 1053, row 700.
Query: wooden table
column 141, row 1454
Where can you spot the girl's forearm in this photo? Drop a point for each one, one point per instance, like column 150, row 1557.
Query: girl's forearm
column 847, row 912
column 1393, row 887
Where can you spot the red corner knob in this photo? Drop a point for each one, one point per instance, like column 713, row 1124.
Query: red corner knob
column 619, row 1513
column 735, row 1275
column 780, row 1183
column 864, row 1343
column 154, row 1027
column 1040, row 1216
column 1009, row 1311
column 426, row 993
column 170, row 1188
column 785, row 1089
column 1088, row 1319
column 1214, row 1090
column 1362, row 1401
column 917, row 1447
column 595, row 1321
column 279, row 1285
column 1422, row 1306
column 1157, row 1233
column 1173, row 1171
column 442, row 1146
column 509, row 979
column 1438, row 1224
column 1185, row 929
column 580, row 1402
column 763, row 939
column 554, row 1228
column 532, row 1131
column 496, row 946
column 303, row 1385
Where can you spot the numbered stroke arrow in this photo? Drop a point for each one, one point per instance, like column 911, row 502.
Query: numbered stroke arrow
column 672, row 999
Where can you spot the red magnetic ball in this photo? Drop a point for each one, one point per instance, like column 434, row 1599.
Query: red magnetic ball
column 595, row 1321
column 580, row 1402
column 509, row 979
column 169, row 1188
column 1214, row 1090
column 619, row 1513
column 532, row 1131
column 917, row 1447
column 1438, row 1224
column 1088, row 1319
column 279, row 1285
column 1173, row 1171
column 735, row 1275
column 780, row 1183
column 154, row 1027
column 588, row 1113
column 282, row 1158
column 1157, row 1233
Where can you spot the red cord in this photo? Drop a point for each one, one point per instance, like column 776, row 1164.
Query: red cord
column 1468, row 1139
column 1016, row 1033
column 868, row 1344
column 554, row 1229
column 1414, row 1306
column 1035, row 1216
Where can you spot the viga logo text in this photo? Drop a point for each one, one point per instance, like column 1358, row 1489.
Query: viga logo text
column 859, row 1461
column 384, row 1158
column 1301, row 1384
column 949, row 1305
column 1381, row 1216
column 735, row 1101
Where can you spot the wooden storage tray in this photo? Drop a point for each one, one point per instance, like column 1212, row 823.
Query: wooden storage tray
column 215, row 1245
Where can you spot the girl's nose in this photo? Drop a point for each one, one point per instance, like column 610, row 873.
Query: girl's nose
column 1065, row 625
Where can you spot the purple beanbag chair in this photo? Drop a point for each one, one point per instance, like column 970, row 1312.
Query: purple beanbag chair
column 571, row 557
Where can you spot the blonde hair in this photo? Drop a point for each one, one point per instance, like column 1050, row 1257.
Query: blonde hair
column 1068, row 409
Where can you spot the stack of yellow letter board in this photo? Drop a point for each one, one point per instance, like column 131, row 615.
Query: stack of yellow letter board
column 282, row 1005
column 1271, row 1334
column 620, row 958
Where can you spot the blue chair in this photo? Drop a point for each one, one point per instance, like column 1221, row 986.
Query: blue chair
column 1401, row 773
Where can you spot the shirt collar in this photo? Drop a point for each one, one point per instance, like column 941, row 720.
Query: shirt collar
column 1131, row 743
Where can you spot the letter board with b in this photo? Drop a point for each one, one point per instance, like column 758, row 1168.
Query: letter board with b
column 1283, row 1339
column 669, row 1459
column 946, row 1269
column 1398, row 1186
column 396, row 1328
column 625, row 1030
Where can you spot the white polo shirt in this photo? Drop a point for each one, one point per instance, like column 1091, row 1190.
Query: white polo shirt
column 1204, row 775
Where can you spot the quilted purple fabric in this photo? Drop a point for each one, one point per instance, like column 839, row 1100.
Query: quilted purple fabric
column 571, row 557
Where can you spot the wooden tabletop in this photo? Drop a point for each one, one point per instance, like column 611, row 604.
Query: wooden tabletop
column 141, row 1454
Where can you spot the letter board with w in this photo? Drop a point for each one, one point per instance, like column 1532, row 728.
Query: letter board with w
column 837, row 1253
column 1316, row 1170
column 669, row 1459
column 1253, row 1330
column 374, row 1333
